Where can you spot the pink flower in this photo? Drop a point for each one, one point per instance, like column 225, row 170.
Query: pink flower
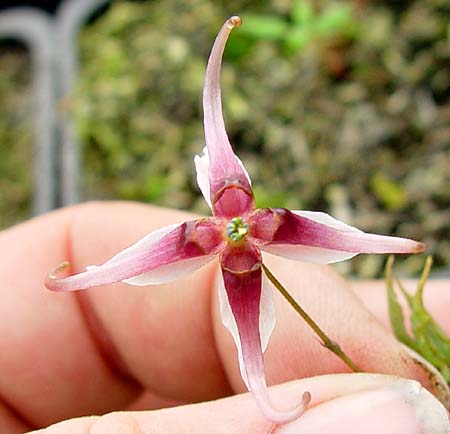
column 236, row 233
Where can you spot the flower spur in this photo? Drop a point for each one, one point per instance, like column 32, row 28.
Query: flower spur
column 236, row 233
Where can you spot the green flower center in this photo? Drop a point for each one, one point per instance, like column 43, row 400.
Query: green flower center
column 237, row 229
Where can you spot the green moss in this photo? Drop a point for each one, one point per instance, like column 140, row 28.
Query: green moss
column 362, row 110
column 15, row 136
column 366, row 111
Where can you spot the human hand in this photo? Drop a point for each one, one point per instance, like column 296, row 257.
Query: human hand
column 121, row 347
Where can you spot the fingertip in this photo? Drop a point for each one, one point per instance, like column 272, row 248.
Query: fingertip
column 350, row 403
column 118, row 423
column 80, row 425
column 397, row 406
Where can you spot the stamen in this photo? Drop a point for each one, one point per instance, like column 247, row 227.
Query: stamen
column 237, row 229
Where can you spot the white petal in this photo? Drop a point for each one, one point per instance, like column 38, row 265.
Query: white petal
column 168, row 273
column 244, row 169
column 326, row 219
column 230, row 323
column 316, row 255
column 267, row 319
column 202, row 168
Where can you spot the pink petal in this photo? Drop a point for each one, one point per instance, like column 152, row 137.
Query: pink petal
column 202, row 163
column 267, row 319
column 230, row 190
column 316, row 255
column 161, row 256
column 241, row 301
column 319, row 238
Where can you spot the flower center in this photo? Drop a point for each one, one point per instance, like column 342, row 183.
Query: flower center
column 236, row 229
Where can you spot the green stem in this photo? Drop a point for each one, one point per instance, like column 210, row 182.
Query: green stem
column 326, row 341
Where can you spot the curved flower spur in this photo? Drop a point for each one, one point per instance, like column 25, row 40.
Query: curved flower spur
column 236, row 233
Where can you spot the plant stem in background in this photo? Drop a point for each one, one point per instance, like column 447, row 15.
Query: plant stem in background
column 426, row 337
column 326, row 341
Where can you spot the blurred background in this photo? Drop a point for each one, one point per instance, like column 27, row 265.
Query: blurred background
column 335, row 106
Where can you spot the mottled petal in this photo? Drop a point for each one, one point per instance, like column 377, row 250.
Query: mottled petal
column 319, row 238
column 163, row 255
column 227, row 180
column 240, row 298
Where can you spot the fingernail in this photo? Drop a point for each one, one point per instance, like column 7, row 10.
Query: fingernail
column 403, row 407
column 437, row 384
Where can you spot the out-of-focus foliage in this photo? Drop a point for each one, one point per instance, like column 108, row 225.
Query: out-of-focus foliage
column 15, row 135
column 302, row 25
column 355, row 124
column 352, row 116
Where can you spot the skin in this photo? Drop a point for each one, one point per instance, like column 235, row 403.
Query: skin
column 122, row 347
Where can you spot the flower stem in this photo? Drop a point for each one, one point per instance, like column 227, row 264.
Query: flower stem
column 326, row 341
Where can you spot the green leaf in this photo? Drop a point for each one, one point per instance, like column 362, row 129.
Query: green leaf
column 334, row 19
column 266, row 198
column 263, row 27
column 155, row 187
column 302, row 12
column 388, row 192
column 298, row 38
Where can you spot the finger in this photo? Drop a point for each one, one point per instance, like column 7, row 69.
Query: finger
column 10, row 422
column 55, row 345
column 162, row 333
column 352, row 404
column 45, row 343
column 436, row 298
column 295, row 352
column 158, row 337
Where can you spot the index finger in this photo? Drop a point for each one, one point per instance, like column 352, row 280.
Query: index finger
column 55, row 345
column 94, row 351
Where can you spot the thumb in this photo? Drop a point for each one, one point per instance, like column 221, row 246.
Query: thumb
column 350, row 403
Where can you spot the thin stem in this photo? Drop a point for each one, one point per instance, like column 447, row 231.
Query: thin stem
column 326, row 341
